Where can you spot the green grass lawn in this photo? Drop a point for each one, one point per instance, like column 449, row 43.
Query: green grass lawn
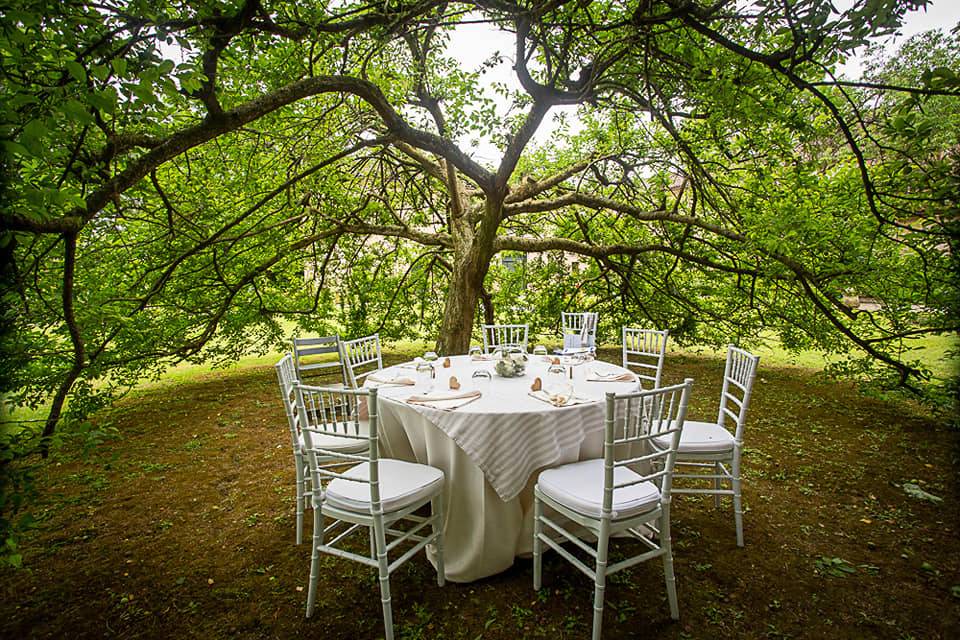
column 933, row 351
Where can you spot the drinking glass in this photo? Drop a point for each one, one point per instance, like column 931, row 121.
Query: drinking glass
column 425, row 376
column 556, row 385
column 481, row 380
column 540, row 350
column 475, row 351
column 430, row 356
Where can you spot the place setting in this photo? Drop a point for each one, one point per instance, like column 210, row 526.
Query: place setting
column 382, row 379
column 444, row 400
column 609, row 376
column 557, row 388
column 452, row 397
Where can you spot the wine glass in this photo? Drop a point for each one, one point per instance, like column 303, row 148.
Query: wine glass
column 481, row 380
column 540, row 350
column 475, row 351
column 425, row 376
column 556, row 385
column 430, row 356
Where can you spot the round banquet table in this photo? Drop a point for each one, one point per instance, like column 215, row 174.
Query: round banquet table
column 492, row 450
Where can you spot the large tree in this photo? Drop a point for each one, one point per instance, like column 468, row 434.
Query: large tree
column 171, row 169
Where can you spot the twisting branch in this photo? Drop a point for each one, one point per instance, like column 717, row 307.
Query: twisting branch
column 216, row 125
column 76, row 340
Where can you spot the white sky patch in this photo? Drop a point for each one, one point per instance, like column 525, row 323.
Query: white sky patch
column 940, row 14
column 472, row 45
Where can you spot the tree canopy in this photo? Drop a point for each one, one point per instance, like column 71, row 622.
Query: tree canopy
column 180, row 176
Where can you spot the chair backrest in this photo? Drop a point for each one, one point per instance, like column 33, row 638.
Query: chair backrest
column 504, row 335
column 332, row 414
column 738, row 377
column 632, row 420
column 361, row 357
column 287, row 377
column 645, row 349
column 579, row 329
column 307, row 350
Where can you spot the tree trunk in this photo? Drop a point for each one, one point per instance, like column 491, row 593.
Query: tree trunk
column 487, row 301
column 56, row 410
column 66, row 297
column 466, row 281
column 473, row 251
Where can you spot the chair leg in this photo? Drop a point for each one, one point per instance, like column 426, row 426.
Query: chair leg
column 717, row 484
column 600, row 578
column 384, row 576
column 737, row 503
column 315, row 560
column 537, row 545
column 301, row 484
column 436, row 507
column 666, row 545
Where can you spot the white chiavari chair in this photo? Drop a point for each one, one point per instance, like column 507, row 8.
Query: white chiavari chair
column 497, row 336
column 360, row 357
column 287, row 377
column 627, row 492
column 374, row 494
column 710, row 446
column 579, row 330
column 310, row 356
column 644, row 351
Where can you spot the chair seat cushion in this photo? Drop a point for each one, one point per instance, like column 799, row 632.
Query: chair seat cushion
column 338, row 444
column 402, row 484
column 579, row 486
column 699, row 437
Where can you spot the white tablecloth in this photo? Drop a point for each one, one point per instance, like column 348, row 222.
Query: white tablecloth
column 491, row 451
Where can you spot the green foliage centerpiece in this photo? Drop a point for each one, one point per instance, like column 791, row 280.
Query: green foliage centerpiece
column 511, row 364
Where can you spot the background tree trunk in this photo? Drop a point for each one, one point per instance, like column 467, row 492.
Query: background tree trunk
column 473, row 252
column 460, row 307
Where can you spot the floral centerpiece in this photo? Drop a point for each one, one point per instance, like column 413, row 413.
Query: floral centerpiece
column 511, row 365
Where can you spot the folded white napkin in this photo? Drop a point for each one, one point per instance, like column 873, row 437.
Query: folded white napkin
column 545, row 397
column 572, row 351
column 447, row 400
column 481, row 357
column 614, row 376
column 391, row 379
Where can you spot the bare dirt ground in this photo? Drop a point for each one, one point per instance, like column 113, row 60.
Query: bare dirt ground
column 183, row 527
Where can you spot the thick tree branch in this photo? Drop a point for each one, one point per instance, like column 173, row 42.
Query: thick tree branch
column 530, row 188
column 76, row 340
column 602, row 252
column 232, row 120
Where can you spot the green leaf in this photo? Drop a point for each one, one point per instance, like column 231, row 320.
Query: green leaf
column 76, row 70
column 100, row 71
column 15, row 148
column 33, row 135
column 78, row 111
column 119, row 66
column 836, row 567
column 105, row 100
